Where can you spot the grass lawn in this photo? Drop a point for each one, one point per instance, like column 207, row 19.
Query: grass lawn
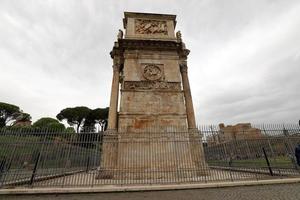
column 16, row 150
column 280, row 161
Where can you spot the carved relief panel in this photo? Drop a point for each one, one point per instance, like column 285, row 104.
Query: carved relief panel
column 143, row 26
column 150, row 85
column 152, row 78
column 153, row 72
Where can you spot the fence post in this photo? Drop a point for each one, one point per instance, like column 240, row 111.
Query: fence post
column 9, row 165
column 267, row 160
column 69, row 144
column 274, row 157
column 87, row 164
column 34, row 169
column 248, row 150
column 290, row 147
column 38, row 157
column 2, row 166
column 229, row 161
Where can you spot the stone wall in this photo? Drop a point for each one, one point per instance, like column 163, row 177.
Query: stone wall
column 234, row 132
column 151, row 91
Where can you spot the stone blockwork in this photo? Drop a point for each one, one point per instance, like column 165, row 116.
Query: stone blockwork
column 151, row 88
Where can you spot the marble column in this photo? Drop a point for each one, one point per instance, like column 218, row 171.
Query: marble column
column 113, row 106
column 188, row 97
column 110, row 138
column 195, row 137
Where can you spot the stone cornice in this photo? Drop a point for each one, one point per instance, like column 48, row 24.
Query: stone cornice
column 133, row 44
column 126, row 114
column 153, row 90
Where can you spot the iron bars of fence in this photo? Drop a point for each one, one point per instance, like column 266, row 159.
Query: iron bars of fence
column 52, row 158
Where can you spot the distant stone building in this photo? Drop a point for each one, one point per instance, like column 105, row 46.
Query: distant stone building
column 23, row 123
column 239, row 131
column 234, row 132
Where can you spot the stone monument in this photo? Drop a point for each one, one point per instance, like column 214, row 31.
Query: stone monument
column 155, row 105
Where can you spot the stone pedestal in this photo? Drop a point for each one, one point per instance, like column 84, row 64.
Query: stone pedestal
column 109, row 155
column 152, row 155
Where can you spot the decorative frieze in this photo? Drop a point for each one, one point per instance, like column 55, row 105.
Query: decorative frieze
column 150, row 85
column 143, row 26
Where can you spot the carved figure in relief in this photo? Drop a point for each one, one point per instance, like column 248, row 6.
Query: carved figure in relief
column 178, row 36
column 150, row 27
column 151, row 85
column 120, row 34
column 152, row 72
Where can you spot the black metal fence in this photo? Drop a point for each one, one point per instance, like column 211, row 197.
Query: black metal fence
column 52, row 158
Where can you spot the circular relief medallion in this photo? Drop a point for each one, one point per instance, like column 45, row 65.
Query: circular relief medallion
column 152, row 72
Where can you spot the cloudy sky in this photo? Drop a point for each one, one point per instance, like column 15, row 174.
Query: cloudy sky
column 244, row 64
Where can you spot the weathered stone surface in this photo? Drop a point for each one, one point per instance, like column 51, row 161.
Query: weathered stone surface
column 149, row 26
column 157, row 155
column 141, row 123
column 151, row 86
column 136, row 61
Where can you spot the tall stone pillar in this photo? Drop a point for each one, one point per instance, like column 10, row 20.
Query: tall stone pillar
column 113, row 106
column 196, row 147
column 108, row 162
column 188, row 97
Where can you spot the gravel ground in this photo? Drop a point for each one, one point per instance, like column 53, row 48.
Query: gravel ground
column 267, row 192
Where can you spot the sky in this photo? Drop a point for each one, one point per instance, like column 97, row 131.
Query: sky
column 244, row 64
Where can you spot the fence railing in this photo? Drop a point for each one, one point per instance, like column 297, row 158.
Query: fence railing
column 52, row 158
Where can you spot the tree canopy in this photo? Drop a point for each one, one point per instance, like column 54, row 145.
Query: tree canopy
column 10, row 113
column 49, row 123
column 74, row 116
column 97, row 116
column 44, row 121
column 80, row 118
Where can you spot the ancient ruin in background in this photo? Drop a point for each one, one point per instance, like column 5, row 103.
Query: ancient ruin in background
column 229, row 133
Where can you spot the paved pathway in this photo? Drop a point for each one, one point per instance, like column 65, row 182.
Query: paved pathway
column 267, row 192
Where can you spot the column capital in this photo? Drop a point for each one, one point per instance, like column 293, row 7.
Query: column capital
column 183, row 67
column 117, row 59
column 116, row 67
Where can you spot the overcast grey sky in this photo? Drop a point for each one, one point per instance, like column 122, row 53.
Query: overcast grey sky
column 244, row 64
